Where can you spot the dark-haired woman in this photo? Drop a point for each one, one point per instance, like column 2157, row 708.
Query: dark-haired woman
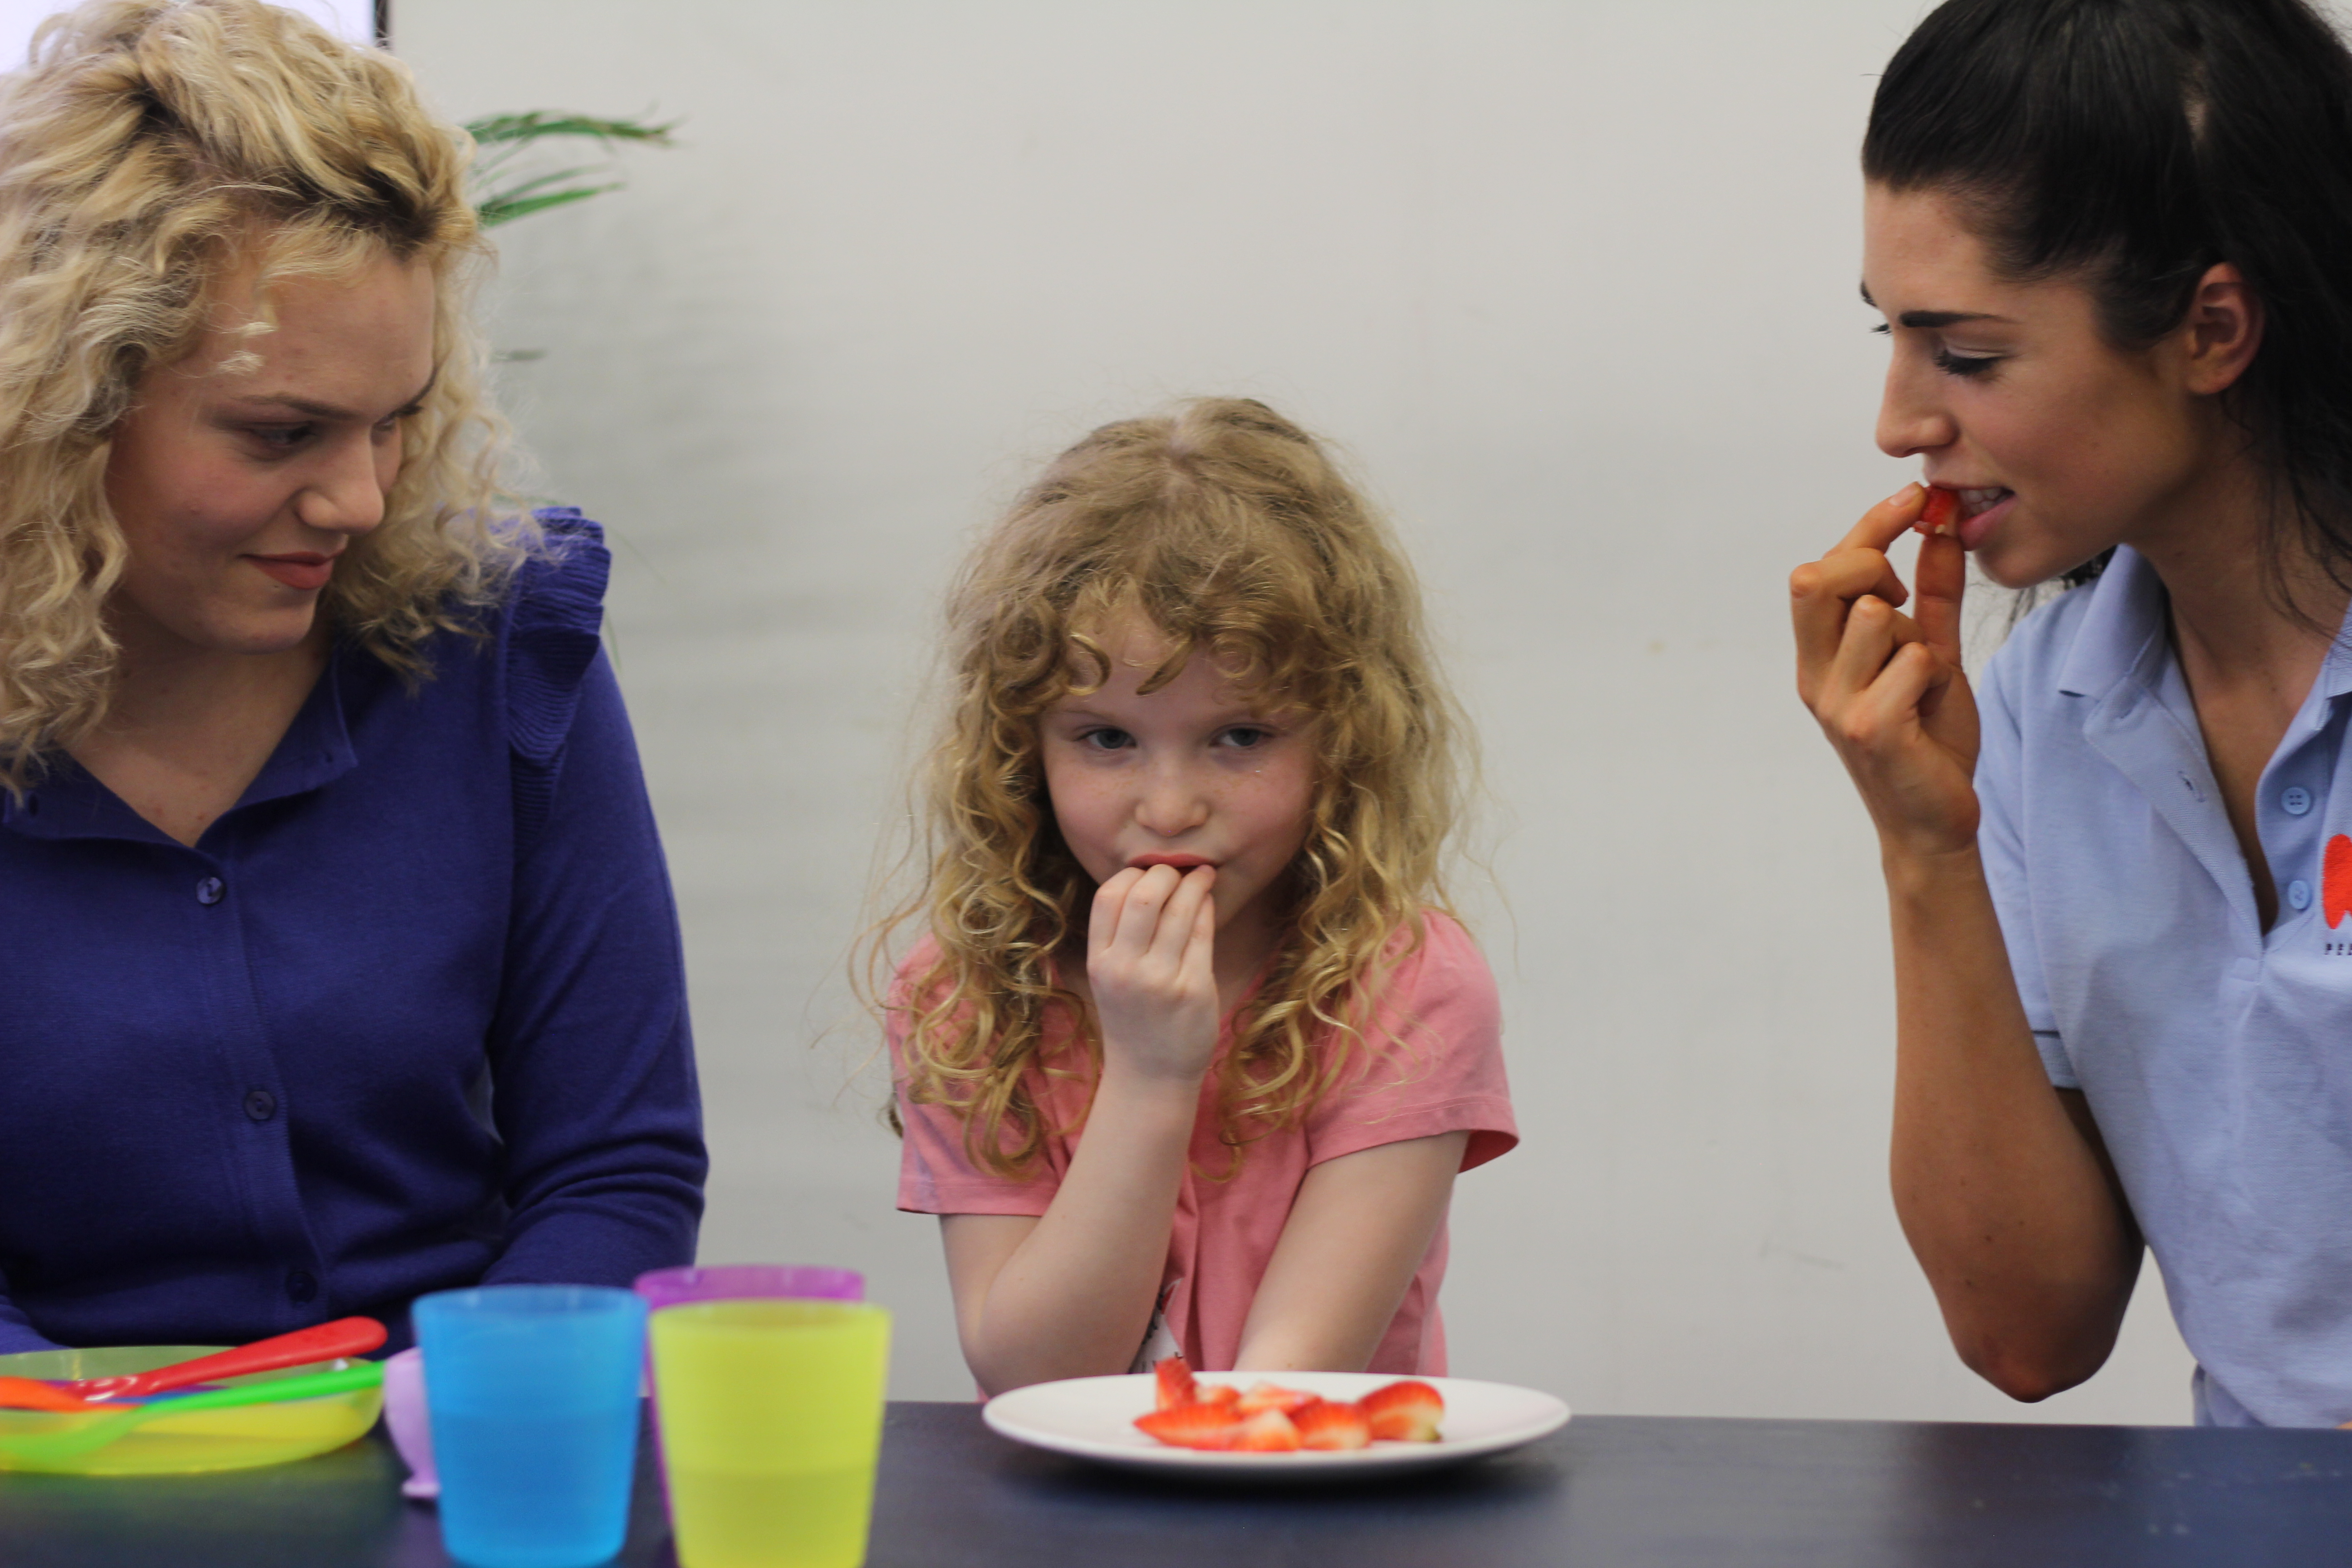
column 2112, row 240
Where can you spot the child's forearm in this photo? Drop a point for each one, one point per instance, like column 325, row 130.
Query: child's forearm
column 1074, row 1298
column 1358, row 1230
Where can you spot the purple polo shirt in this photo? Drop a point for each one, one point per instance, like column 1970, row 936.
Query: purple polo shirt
column 411, row 1016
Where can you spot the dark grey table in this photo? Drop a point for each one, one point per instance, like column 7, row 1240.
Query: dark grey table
column 1615, row 1491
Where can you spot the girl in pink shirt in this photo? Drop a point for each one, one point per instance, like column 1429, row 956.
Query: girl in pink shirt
column 1191, row 1053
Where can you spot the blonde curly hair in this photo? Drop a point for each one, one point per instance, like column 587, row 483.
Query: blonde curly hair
column 1235, row 536
column 150, row 149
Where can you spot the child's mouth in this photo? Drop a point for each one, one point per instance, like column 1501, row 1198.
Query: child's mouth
column 1181, row 862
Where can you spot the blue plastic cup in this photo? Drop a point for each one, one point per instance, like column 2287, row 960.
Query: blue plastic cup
column 533, row 1398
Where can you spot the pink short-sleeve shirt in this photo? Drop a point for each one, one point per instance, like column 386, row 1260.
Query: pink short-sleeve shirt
column 1437, row 1067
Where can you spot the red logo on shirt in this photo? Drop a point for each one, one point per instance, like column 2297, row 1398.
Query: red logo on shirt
column 2336, row 880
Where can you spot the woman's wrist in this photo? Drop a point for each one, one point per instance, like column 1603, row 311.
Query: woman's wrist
column 1915, row 871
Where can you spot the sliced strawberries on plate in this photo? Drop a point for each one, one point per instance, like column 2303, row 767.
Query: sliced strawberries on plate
column 1206, row 1426
column 1407, row 1411
column 1327, row 1425
column 1176, row 1388
column 1267, row 1432
column 1268, row 1396
column 1270, row 1419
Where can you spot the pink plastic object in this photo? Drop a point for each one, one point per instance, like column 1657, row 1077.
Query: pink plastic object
column 412, row 1433
column 735, row 1282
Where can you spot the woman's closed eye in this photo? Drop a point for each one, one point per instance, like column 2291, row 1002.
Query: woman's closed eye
column 1952, row 364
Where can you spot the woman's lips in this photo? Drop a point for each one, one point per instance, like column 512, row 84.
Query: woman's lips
column 307, row 573
column 1980, row 512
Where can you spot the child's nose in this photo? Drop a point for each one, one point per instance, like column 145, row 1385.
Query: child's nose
column 1172, row 803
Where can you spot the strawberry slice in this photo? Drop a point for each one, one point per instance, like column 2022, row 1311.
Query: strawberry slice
column 1942, row 510
column 1210, row 1427
column 1223, row 1394
column 1331, row 1425
column 1267, row 1432
column 1407, row 1411
column 1268, row 1396
column 1177, row 1388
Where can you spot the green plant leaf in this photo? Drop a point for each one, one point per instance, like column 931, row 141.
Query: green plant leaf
column 499, row 137
column 494, row 210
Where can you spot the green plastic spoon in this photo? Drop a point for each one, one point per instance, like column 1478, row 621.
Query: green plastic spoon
column 49, row 1447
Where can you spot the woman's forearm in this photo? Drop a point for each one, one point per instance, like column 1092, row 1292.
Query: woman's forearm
column 2009, row 1206
column 1074, row 1298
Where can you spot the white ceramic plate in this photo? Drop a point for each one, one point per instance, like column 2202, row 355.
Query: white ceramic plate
column 1094, row 1417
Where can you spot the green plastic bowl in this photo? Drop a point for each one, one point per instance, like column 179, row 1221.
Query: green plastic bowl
column 236, row 1439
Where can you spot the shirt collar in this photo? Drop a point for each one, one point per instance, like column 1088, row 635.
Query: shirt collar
column 2121, row 629
column 2123, row 634
column 66, row 801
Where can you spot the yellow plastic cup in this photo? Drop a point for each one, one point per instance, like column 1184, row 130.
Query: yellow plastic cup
column 772, row 1422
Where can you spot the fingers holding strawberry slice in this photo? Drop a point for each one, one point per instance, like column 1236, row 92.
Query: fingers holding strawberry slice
column 1941, row 511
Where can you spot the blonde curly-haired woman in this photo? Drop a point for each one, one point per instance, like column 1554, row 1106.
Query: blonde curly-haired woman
column 340, row 955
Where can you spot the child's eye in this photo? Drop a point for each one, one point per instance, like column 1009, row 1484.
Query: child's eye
column 1104, row 739
column 1245, row 736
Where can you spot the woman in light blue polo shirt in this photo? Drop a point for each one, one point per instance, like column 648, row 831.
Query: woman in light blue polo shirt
column 2112, row 240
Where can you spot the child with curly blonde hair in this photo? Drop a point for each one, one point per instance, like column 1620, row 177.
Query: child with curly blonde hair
column 1192, row 1050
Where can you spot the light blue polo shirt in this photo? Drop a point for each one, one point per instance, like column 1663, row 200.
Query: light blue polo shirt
column 2216, row 1057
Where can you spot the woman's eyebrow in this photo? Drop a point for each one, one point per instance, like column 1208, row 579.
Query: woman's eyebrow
column 1935, row 320
column 314, row 410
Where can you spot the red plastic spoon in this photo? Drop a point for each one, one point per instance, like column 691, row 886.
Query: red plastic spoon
column 343, row 1337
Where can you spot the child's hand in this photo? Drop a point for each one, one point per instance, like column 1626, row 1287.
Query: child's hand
column 1888, row 688
column 1150, row 952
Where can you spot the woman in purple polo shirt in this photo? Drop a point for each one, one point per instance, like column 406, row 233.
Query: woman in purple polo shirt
column 340, row 958
column 2112, row 240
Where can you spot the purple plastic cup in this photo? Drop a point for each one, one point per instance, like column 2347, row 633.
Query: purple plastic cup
column 740, row 1281
column 735, row 1282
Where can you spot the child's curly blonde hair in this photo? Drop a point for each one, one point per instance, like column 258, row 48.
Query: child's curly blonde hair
column 150, row 148
column 1236, row 537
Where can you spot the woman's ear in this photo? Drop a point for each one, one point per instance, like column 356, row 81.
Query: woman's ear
column 2221, row 330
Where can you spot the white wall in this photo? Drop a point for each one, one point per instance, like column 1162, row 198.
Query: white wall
column 1573, row 279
